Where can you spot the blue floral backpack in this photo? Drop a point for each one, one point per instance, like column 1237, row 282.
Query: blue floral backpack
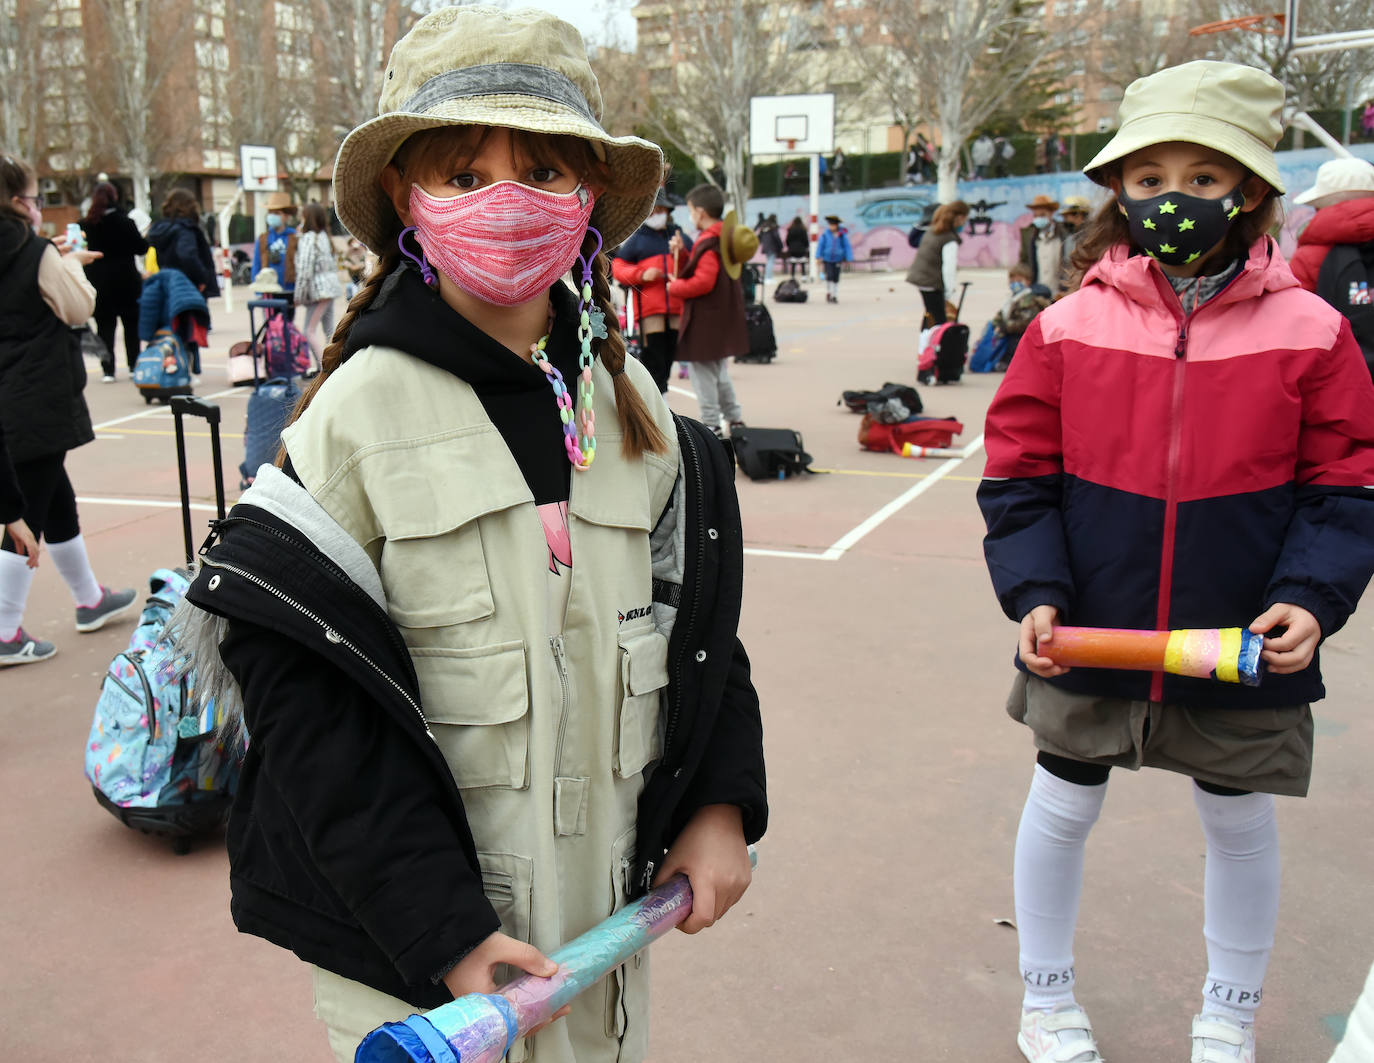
column 155, row 757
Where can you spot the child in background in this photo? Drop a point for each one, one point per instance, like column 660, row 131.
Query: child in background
column 1185, row 441
column 833, row 251
column 453, row 739
column 1015, row 315
column 713, row 328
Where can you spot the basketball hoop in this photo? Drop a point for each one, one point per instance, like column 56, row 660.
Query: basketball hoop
column 791, row 145
column 1254, row 23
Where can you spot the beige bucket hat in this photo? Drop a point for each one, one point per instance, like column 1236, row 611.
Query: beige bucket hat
column 1337, row 181
column 480, row 65
column 1233, row 108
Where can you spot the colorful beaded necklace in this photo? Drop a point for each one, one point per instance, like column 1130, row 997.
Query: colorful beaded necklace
column 591, row 324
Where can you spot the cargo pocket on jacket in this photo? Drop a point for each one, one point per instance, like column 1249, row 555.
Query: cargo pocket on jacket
column 643, row 677
column 622, row 983
column 477, row 704
column 437, row 581
column 508, row 882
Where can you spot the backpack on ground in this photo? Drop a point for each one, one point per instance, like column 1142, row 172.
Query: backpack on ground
column 943, row 350
column 789, row 291
column 1346, row 281
column 163, row 368
column 769, row 453
column 919, row 432
column 763, row 344
column 991, row 348
column 886, row 404
column 154, row 760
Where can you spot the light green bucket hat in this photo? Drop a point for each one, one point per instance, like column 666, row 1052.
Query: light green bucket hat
column 481, row 65
column 1233, row 108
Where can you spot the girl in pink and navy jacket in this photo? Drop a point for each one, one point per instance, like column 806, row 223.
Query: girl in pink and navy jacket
column 1186, row 441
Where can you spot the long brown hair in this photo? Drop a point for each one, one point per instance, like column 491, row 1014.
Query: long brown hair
column 181, row 204
column 105, row 196
column 1108, row 227
column 314, row 218
column 947, row 215
column 15, row 177
column 438, row 153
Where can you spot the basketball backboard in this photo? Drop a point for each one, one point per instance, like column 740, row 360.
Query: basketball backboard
column 792, row 125
column 259, row 165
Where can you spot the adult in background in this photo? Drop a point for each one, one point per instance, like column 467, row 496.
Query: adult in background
column 276, row 247
column 937, row 259
column 44, row 294
column 644, row 264
column 770, row 243
column 982, row 153
column 1074, row 213
column 798, row 244
column 837, row 170
column 1344, row 199
column 1042, row 242
column 114, row 275
column 317, row 276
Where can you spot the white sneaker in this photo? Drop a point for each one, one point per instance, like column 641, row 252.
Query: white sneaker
column 1063, row 1035
column 1222, row 1039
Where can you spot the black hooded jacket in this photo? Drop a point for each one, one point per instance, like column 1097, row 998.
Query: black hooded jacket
column 373, row 873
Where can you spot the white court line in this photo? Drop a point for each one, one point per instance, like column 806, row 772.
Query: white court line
column 689, row 394
column 159, row 410
column 851, row 538
column 147, row 503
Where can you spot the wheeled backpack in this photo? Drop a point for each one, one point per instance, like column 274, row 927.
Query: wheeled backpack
column 155, row 759
column 943, row 351
column 763, row 344
column 163, row 369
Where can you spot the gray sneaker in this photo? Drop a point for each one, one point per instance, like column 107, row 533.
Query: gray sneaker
column 24, row 649
column 111, row 605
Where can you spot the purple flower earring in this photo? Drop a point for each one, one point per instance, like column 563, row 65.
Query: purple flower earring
column 426, row 270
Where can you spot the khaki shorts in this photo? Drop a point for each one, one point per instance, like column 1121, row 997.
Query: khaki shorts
column 1267, row 750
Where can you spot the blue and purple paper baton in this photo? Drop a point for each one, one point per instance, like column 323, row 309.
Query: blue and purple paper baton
column 481, row 1027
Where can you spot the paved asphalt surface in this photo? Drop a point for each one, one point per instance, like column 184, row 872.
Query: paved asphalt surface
column 874, row 926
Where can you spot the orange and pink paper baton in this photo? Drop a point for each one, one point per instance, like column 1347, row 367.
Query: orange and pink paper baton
column 1230, row 654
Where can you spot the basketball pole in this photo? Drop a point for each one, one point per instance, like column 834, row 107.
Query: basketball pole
column 815, row 213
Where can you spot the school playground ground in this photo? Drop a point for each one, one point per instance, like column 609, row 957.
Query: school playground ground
column 876, row 928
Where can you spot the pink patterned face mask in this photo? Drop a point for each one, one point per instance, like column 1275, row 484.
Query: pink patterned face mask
column 505, row 244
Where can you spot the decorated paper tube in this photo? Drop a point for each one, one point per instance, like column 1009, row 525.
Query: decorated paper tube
column 1231, row 654
column 481, row 1027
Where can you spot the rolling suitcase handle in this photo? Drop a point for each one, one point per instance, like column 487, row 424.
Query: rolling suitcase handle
column 183, row 405
column 963, row 291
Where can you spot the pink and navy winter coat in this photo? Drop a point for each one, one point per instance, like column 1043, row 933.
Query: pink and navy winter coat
column 1149, row 468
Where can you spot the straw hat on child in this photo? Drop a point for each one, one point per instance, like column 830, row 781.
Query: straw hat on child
column 480, row 65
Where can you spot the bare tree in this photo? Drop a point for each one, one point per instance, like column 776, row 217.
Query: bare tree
column 890, row 76
column 968, row 59
column 21, row 28
column 725, row 53
column 140, row 124
column 1139, row 37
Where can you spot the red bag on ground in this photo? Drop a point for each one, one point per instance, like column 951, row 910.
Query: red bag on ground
column 922, row 432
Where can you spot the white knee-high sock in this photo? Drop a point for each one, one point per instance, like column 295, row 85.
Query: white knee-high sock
column 75, row 569
column 1241, row 894
column 15, row 580
column 1048, row 880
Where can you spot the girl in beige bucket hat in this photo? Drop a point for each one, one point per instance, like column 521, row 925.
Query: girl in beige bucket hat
column 450, row 772
column 1184, row 441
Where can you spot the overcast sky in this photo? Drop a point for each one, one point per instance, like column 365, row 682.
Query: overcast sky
column 591, row 17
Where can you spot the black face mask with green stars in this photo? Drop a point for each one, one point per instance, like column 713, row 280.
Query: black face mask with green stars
column 1179, row 229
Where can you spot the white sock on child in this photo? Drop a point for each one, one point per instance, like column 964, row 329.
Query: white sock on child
column 15, row 580
column 1241, row 899
column 75, row 569
column 1048, row 880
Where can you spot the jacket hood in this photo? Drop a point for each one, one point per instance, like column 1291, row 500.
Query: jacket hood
column 1351, row 222
column 14, row 234
column 408, row 315
column 1140, row 278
